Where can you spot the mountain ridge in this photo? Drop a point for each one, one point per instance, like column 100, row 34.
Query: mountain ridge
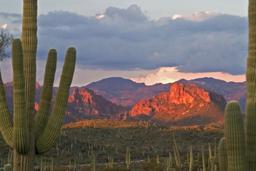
column 98, row 99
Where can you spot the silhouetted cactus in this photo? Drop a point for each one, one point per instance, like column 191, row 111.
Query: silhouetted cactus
column 31, row 132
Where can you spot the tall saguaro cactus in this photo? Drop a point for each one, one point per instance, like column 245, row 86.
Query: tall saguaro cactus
column 251, row 89
column 240, row 145
column 32, row 133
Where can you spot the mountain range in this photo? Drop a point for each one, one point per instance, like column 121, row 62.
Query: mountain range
column 185, row 102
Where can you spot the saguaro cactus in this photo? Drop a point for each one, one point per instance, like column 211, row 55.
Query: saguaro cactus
column 33, row 133
column 235, row 140
column 222, row 155
column 251, row 89
column 191, row 158
column 235, row 137
column 128, row 158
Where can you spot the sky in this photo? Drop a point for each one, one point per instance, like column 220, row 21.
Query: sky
column 152, row 8
column 148, row 41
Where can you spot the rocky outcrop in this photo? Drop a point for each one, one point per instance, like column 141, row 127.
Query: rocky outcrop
column 184, row 103
column 84, row 103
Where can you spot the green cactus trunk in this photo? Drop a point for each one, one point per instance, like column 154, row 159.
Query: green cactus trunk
column 235, row 137
column 251, row 89
column 222, row 155
column 33, row 133
column 29, row 45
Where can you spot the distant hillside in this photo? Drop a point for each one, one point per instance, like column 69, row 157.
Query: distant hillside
column 230, row 90
column 124, row 91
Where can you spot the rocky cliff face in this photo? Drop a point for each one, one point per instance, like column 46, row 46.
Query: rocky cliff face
column 84, row 103
column 184, row 103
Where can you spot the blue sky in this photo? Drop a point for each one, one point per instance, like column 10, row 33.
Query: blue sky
column 152, row 8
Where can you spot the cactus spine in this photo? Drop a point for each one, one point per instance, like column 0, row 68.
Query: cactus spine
column 32, row 132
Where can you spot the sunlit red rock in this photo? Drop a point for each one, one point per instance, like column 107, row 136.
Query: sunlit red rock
column 184, row 103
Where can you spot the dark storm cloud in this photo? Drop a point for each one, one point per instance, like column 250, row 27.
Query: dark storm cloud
column 127, row 39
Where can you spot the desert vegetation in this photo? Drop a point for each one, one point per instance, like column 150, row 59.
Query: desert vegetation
column 131, row 148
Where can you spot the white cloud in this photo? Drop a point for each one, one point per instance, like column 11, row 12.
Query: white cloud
column 171, row 74
column 100, row 16
column 197, row 16
column 4, row 26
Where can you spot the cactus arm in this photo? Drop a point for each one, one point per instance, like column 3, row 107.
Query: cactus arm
column 235, row 138
column 20, row 130
column 52, row 130
column 46, row 95
column 5, row 116
column 222, row 155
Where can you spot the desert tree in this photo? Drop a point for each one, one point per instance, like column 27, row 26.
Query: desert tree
column 5, row 41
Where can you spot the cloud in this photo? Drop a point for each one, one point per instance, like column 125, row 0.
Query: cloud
column 82, row 76
column 171, row 74
column 196, row 16
column 126, row 39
